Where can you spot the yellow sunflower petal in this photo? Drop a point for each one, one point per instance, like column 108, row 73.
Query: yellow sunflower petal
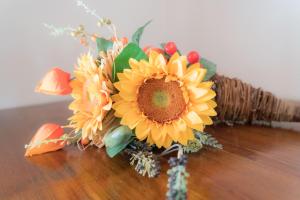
column 190, row 134
column 121, row 76
column 160, row 63
column 212, row 103
column 155, row 132
column 192, row 118
column 206, row 84
column 131, row 118
column 142, row 130
column 210, row 95
column 128, row 96
column 164, row 135
column 196, row 93
column 116, row 97
column 122, row 107
column 180, row 124
column 150, row 140
column 152, row 57
column 173, row 57
column 186, row 136
column 134, row 64
column 204, row 109
column 194, row 121
column 206, row 120
column 167, row 142
column 194, row 75
column 173, row 132
column 178, row 66
column 200, row 95
column 198, row 127
column 133, row 76
column 183, row 139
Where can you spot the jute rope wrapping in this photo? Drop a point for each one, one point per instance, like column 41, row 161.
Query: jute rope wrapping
column 240, row 102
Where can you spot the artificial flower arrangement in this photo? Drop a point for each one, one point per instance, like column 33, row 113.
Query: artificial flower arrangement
column 148, row 102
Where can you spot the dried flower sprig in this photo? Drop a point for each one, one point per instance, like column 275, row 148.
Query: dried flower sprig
column 58, row 31
column 87, row 9
column 101, row 21
column 177, row 184
column 142, row 157
column 70, row 138
column 77, row 33
column 145, row 163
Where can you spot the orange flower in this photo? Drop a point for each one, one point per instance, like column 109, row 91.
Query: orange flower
column 91, row 92
column 45, row 140
column 55, row 82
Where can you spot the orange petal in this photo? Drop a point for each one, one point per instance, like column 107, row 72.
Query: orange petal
column 55, row 82
column 45, row 132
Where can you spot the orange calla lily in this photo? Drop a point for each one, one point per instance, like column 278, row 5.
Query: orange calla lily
column 55, row 82
column 44, row 140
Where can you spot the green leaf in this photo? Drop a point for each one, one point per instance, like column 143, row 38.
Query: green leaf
column 113, row 151
column 103, row 44
column 162, row 45
column 138, row 33
column 121, row 62
column 207, row 139
column 117, row 139
column 117, row 136
column 210, row 67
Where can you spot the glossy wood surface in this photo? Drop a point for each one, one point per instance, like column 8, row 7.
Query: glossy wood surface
column 256, row 163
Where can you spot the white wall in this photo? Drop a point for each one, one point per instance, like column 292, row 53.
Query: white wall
column 255, row 40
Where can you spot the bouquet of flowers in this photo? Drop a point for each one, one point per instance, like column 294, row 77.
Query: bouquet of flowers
column 147, row 102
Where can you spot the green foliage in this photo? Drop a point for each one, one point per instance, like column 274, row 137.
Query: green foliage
column 208, row 140
column 201, row 139
column 121, row 62
column 210, row 67
column 117, row 139
column 138, row 33
column 193, row 146
column 103, row 44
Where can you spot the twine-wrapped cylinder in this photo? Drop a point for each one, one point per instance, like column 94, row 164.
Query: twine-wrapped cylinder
column 240, row 102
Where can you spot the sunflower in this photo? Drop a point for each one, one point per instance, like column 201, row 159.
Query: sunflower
column 162, row 101
column 91, row 91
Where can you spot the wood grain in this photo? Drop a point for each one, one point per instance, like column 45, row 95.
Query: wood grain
column 256, row 163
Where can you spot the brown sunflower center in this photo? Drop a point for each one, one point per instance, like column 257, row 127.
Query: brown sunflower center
column 161, row 101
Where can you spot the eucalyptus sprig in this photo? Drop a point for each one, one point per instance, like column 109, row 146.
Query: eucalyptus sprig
column 208, row 140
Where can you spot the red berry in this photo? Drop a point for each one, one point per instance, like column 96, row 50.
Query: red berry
column 170, row 48
column 193, row 57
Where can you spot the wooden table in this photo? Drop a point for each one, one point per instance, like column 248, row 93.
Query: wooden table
column 256, row 163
